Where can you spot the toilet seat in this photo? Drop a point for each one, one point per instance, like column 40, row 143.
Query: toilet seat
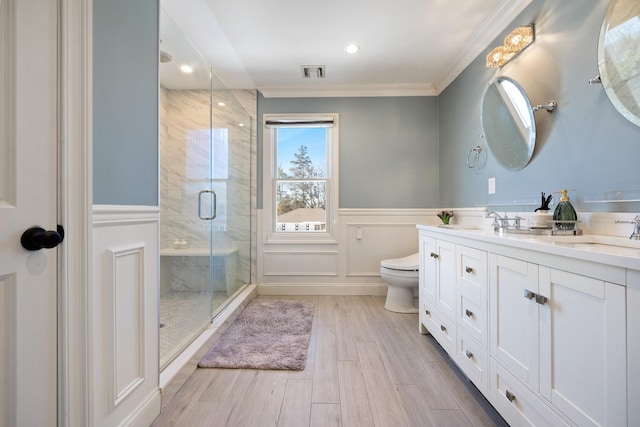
column 408, row 263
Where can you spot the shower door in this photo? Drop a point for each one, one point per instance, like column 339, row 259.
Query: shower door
column 231, row 175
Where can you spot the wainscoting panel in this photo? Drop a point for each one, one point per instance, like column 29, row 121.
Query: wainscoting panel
column 124, row 315
column 126, row 319
column 298, row 263
column 369, row 243
column 348, row 266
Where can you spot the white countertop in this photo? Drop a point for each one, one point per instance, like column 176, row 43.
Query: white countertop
column 611, row 250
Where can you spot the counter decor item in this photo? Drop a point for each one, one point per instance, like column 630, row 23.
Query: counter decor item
column 544, row 203
column 542, row 217
column 565, row 216
column 445, row 216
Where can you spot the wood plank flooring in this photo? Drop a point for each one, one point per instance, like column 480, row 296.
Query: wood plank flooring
column 366, row 366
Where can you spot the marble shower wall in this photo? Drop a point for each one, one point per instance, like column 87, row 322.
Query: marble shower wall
column 186, row 167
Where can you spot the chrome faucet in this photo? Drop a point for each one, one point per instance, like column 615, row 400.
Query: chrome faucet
column 635, row 235
column 498, row 221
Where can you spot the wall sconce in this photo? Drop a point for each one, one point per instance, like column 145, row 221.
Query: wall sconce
column 514, row 43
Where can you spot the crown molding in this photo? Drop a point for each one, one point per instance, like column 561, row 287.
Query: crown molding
column 379, row 90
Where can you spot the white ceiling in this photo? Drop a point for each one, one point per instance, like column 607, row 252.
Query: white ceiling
column 407, row 47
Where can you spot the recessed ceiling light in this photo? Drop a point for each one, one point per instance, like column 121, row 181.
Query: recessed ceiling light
column 186, row 68
column 222, row 104
column 352, row 48
column 241, row 125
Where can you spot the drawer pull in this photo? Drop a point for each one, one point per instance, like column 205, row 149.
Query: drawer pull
column 427, row 312
column 468, row 354
column 542, row 300
column 443, row 328
column 468, row 312
column 510, row 396
column 468, row 269
column 434, row 255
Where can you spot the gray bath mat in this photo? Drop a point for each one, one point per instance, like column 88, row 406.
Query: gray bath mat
column 268, row 334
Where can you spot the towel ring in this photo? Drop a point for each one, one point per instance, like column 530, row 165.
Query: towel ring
column 477, row 150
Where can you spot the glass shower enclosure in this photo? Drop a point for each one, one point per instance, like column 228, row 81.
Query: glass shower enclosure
column 204, row 193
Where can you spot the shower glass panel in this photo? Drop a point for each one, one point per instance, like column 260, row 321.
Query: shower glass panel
column 204, row 193
column 231, row 135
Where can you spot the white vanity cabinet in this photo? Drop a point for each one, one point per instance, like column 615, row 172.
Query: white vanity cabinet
column 550, row 340
column 471, row 314
column 440, row 275
column 562, row 335
column 437, row 292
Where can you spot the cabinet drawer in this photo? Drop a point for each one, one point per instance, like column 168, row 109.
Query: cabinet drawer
column 472, row 317
column 440, row 327
column 517, row 404
column 472, row 271
column 473, row 359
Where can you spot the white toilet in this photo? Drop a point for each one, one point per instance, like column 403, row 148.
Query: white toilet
column 402, row 276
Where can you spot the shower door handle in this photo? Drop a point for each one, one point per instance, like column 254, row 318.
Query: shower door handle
column 215, row 205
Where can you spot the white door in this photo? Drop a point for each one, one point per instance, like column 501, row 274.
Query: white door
column 28, row 159
column 513, row 317
column 446, row 278
column 583, row 349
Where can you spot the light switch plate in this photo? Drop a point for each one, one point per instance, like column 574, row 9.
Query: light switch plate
column 492, row 185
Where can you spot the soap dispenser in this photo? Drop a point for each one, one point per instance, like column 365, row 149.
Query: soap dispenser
column 565, row 212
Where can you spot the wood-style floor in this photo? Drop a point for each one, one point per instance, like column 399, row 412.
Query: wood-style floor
column 366, row 367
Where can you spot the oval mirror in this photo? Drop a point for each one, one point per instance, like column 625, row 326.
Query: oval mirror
column 508, row 123
column 618, row 58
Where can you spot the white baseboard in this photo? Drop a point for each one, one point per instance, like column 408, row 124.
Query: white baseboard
column 322, row 289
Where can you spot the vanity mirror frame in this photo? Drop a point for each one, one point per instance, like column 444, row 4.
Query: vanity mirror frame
column 618, row 61
column 508, row 123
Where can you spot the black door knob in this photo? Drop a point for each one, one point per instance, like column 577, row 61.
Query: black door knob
column 37, row 238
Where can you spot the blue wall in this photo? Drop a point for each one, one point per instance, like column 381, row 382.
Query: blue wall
column 388, row 148
column 394, row 152
column 586, row 144
column 125, row 102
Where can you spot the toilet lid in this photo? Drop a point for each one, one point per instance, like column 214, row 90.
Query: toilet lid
column 408, row 263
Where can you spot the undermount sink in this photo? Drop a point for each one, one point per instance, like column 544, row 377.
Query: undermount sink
column 599, row 243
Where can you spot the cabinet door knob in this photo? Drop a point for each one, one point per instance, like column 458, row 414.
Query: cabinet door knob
column 427, row 312
column 443, row 328
column 510, row 396
column 468, row 312
column 434, row 255
column 468, row 269
column 468, row 354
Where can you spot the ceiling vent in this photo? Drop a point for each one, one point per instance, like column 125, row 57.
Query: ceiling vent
column 312, row 71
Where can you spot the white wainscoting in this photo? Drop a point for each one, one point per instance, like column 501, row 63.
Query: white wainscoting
column 296, row 263
column 124, row 316
column 349, row 266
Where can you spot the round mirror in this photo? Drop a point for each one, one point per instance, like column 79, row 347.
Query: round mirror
column 618, row 59
column 507, row 122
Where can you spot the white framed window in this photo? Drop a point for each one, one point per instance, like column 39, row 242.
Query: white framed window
column 300, row 196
